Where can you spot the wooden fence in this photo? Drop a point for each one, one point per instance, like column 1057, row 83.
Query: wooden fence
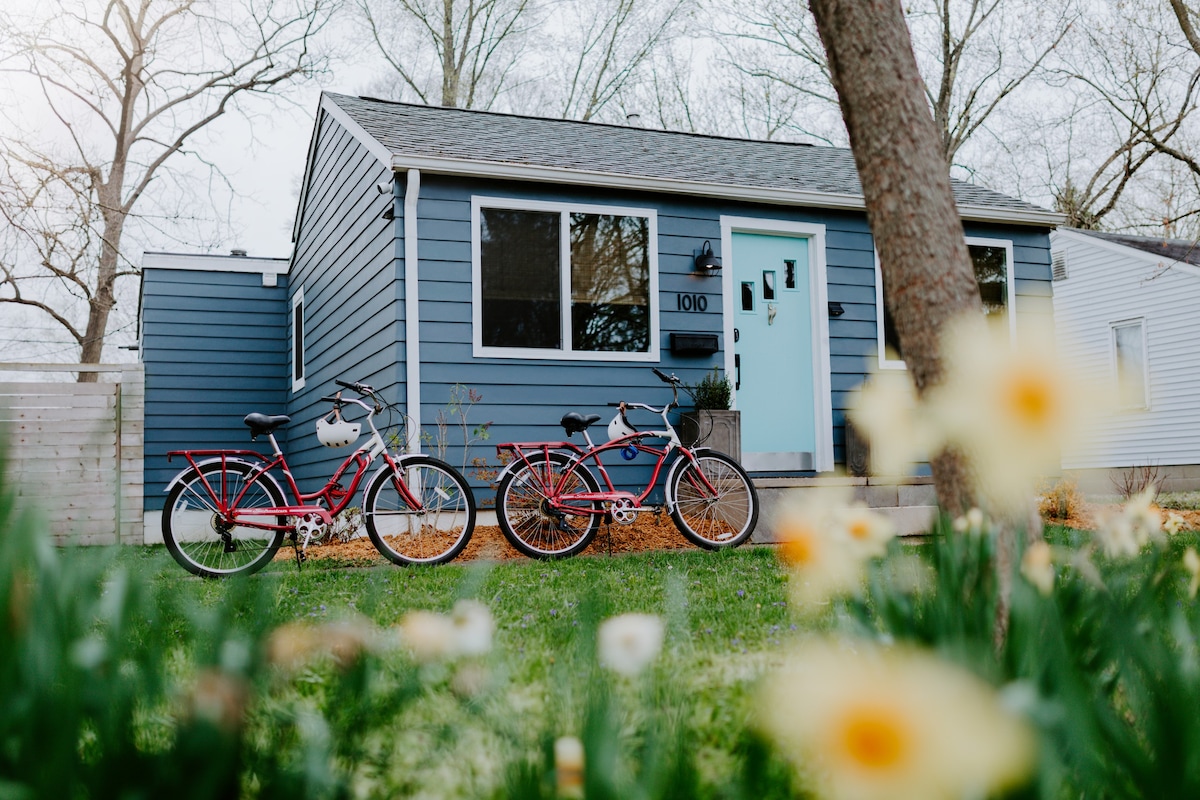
column 75, row 449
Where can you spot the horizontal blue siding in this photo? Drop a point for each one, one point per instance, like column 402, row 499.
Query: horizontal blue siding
column 214, row 346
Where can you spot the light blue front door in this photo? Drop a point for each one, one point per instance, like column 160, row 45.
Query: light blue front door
column 773, row 352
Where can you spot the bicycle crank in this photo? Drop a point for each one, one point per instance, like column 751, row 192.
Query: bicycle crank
column 622, row 511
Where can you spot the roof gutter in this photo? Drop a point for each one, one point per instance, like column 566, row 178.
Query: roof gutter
column 753, row 194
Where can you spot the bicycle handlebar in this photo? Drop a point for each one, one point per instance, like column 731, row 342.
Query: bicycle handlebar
column 361, row 388
column 664, row 377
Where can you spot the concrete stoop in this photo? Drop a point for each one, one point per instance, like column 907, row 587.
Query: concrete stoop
column 910, row 502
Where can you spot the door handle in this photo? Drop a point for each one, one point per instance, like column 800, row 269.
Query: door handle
column 737, row 371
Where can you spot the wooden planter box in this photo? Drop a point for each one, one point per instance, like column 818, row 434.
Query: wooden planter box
column 720, row 430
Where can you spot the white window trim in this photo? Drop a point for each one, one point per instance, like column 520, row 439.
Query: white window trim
column 819, row 294
column 297, row 300
column 1115, row 372
column 979, row 241
column 565, row 209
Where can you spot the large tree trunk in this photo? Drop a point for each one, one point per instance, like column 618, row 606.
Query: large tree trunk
column 927, row 274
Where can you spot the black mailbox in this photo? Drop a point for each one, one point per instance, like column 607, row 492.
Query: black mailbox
column 694, row 344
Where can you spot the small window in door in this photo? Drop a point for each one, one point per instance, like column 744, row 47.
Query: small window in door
column 768, row 284
column 789, row 273
column 747, row 295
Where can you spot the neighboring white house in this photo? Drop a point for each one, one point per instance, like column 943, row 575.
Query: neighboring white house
column 1127, row 312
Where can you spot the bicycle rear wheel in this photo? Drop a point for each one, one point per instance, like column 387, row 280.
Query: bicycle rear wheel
column 433, row 533
column 530, row 523
column 712, row 520
column 200, row 540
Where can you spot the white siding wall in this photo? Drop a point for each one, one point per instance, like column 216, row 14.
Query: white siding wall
column 1108, row 283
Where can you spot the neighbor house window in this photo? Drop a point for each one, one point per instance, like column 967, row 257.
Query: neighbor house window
column 298, row 340
column 561, row 281
column 991, row 259
column 1129, row 363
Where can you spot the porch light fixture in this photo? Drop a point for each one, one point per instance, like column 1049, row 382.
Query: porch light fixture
column 706, row 262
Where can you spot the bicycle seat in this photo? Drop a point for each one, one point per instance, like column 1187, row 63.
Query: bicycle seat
column 574, row 422
column 264, row 423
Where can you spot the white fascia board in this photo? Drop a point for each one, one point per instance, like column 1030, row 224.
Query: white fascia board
column 1150, row 259
column 579, row 177
column 215, row 263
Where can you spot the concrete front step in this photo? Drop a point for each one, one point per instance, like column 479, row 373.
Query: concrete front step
column 910, row 502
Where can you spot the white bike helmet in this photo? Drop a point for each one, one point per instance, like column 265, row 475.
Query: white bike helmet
column 333, row 431
column 619, row 427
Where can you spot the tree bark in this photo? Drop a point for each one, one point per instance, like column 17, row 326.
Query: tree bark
column 927, row 274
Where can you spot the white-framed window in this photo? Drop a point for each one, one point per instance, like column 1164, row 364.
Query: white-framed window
column 992, row 260
column 1130, row 365
column 567, row 281
column 297, row 339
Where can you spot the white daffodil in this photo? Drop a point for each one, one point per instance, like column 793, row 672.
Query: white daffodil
column 473, row 628
column 630, row 642
column 822, row 560
column 870, row 723
column 888, row 413
column 1009, row 407
column 428, row 636
column 1174, row 523
column 867, row 530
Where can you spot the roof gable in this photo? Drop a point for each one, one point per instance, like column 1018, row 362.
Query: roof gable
column 457, row 141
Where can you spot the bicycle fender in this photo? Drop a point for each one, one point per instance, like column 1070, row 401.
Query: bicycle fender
column 206, row 462
column 516, row 462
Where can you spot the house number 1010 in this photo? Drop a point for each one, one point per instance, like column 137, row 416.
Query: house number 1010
column 691, row 302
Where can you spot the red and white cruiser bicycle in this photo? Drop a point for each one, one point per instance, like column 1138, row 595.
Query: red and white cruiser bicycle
column 226, row 513
column 550, row 505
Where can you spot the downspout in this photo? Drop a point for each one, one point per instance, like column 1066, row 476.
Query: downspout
column 412, row 319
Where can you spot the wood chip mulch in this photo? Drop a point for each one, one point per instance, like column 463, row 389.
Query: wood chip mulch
column 1087, row 518
column 487, row 543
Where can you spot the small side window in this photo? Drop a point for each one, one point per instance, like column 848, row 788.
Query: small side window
column 298, row 340
column 1129, row 355
column 747, row 295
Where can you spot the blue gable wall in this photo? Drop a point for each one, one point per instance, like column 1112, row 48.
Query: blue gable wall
column 214, row 346
column 347, row 259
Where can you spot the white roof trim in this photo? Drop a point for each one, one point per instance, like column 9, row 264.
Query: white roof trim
column 1129, row 252
column 373, row 145
column 580, row 177
column 215, row 263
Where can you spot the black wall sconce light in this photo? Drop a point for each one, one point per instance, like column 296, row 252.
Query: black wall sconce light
column 706, row 262
column 836, row 310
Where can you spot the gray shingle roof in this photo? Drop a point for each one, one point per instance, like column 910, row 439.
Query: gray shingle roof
column 412, row 131
column 1186, row 251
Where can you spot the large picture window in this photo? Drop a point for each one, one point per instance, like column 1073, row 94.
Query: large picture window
column 563, row 281
column 991, row 259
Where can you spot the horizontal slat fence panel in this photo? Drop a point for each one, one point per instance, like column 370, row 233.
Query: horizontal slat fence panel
column 75, row 450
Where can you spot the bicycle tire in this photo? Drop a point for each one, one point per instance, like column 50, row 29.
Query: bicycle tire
column 527, row 521
column 712, row 522
column 192, row 532
column 434, row 535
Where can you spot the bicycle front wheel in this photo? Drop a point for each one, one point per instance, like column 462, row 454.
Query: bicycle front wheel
column 202, row 541
column 436, row 528
column 721, row 516
column 529, row 521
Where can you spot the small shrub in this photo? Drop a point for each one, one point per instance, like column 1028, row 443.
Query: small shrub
column 1136, row 480
column 713, row 392
column 1061, row 500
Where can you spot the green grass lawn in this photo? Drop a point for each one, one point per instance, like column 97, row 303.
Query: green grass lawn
column 728, row 622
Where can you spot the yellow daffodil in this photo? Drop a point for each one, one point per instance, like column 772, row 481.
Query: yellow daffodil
column 869, row 723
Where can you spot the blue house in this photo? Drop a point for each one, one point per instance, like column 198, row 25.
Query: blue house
column 547, row 265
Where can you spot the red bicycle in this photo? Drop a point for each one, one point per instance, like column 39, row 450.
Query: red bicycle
column 550, row 505
column 225, row 513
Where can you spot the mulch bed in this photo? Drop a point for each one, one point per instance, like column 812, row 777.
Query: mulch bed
column 1086, row 519
column 488, row 543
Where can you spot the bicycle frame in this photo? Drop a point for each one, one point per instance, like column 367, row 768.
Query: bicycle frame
column 335, row 497
column 522, row 451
